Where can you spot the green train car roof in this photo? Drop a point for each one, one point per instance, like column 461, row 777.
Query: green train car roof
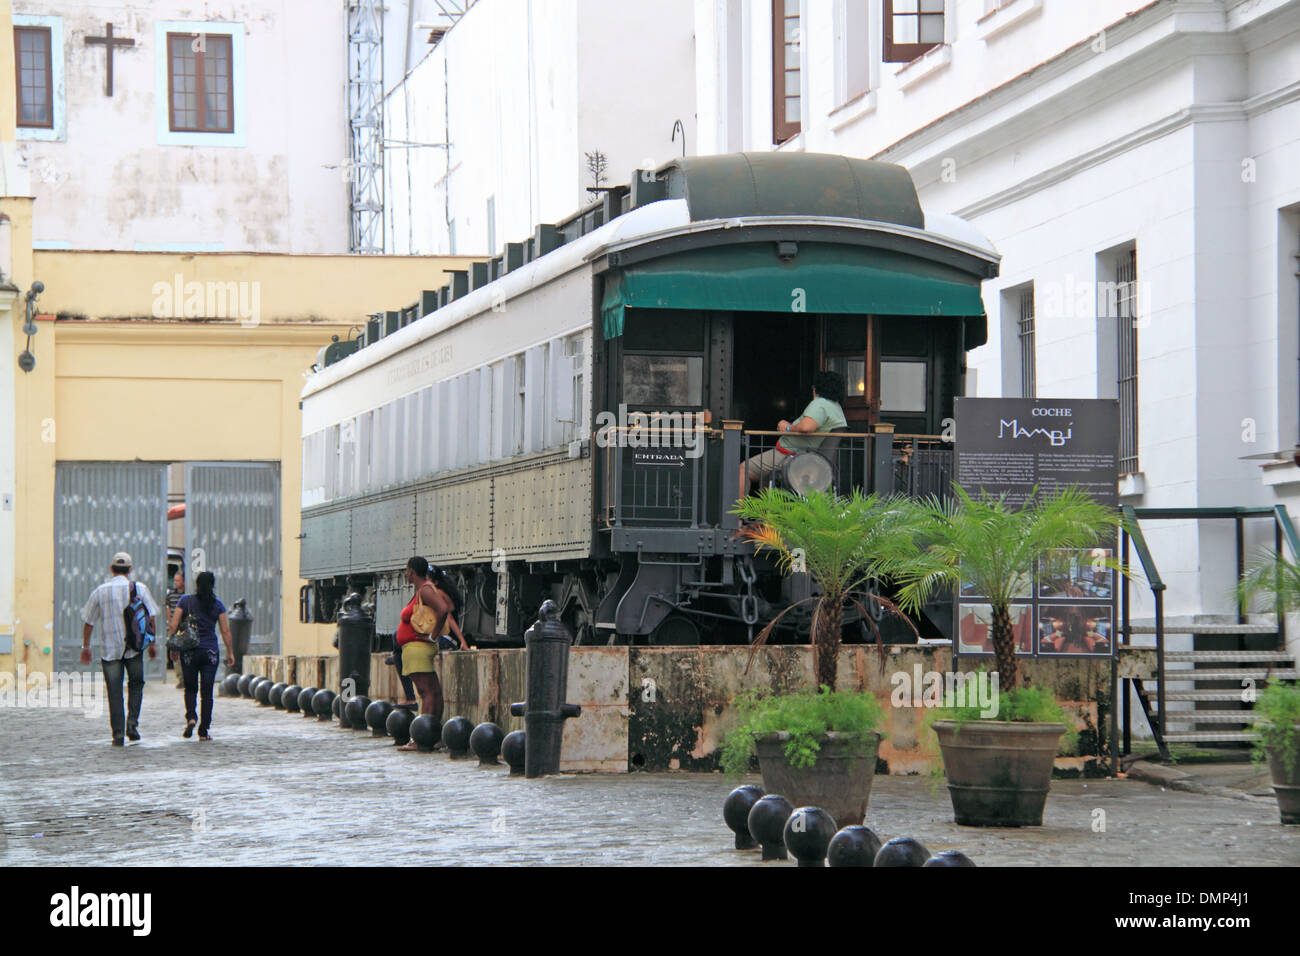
column 793, row 184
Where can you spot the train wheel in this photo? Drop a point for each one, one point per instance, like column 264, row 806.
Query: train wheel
column 676, row 630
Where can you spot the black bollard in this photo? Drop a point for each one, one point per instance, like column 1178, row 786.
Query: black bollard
column 544, row 711
column 304, row 701
column 356, row 641
column 377, row 717
column 485, row 741
column 735, row 812
column 767, row 824
column 323, row 704
column 949, row 858
column 230, row 686
column 808, row 833
column 398, row 725
column 245, row 682
column 275, row 697
column 290, row 698
column 902, row 851
column 426, row 731
column 853, row 846
column 340, row 711
column 455, row 737
column 513, row 750
column 262, row 691
column 356, row 711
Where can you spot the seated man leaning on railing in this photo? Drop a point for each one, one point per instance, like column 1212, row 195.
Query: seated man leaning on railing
column 824, row 413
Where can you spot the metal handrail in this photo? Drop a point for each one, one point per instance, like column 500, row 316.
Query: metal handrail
column 1284, row 530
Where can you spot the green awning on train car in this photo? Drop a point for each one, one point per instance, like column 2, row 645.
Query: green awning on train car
column 822, row 278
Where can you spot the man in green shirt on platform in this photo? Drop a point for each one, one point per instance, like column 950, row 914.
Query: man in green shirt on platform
column 823, row 414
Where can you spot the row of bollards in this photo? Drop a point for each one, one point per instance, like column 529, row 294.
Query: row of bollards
column 767, row 820
column 458, row 735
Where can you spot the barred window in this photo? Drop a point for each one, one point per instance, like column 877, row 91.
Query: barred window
column 1028, row 351
column 1127, row 361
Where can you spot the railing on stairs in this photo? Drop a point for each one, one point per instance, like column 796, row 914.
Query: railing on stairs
column 1283, row 532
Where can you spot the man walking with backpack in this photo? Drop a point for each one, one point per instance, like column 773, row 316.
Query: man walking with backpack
column 125, row 611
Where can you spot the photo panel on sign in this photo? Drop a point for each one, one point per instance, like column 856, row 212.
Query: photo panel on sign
column 1083, row 574
column 975, row 625
column 1075, row 629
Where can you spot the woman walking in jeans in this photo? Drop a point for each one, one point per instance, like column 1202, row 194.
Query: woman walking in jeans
column 201, row 664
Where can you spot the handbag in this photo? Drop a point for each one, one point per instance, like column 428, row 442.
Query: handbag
column 186, row 639
column 423, row 618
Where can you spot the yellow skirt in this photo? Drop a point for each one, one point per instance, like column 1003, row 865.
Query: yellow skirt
column 419, row 657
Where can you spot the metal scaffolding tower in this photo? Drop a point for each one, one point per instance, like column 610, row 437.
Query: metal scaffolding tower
column 365, row 126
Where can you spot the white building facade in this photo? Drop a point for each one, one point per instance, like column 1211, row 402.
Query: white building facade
column 519, row 107
column 1095, row 144
column 174, row 127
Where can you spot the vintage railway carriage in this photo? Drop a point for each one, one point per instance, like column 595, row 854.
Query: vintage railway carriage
column 493, row 425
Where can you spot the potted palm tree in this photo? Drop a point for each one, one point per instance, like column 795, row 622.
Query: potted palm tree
column 1277, row 710
column 999, row 766
column 819, row 747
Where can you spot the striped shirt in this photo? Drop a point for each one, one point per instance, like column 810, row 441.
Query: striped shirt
column 104, row 609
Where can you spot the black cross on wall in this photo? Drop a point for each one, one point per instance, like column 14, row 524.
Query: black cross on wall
column 109, row 41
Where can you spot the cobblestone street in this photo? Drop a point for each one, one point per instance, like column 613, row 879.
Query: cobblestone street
column 279, row 789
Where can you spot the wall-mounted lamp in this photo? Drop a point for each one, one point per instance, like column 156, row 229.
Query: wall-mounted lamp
column 26, row 360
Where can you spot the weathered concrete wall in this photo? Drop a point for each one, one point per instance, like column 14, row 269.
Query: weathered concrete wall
column 670, row 708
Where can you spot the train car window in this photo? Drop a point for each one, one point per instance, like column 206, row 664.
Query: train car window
column 854, row 371
column 845, row 334
column 663, row 380
column 663, row 330
column 903, row 386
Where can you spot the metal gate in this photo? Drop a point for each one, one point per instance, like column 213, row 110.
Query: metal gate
column 232, row 528
column 101, row 508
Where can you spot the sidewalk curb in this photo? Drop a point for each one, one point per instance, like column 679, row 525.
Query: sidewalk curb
column 1174, row 779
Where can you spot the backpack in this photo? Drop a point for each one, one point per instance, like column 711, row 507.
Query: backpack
column 136, row 628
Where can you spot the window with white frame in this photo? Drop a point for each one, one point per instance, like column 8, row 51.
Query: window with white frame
column 911, row 28
column 199, row 77
column 39, row 85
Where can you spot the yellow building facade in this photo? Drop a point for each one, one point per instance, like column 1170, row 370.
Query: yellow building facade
column 120, row 378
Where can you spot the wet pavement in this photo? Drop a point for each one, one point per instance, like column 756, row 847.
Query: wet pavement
column 275, row 788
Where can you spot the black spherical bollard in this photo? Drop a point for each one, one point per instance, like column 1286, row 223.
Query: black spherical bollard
column 902, row 851
column 808, row 833
column 377, row 717
column 853, row 846
column 276, row 695
column 290, row 698
column 735, row 812
column 398, row 725
column 485, row 741
column 323, row 704
column 767, row 824
column 230, row 686
column 340, row 710
column 512, row 751
column 949, row 858
column 304, row 701
column 425, row 731
column 245, row 682
column 263, row 692
column 356, row 711
column 455, row 737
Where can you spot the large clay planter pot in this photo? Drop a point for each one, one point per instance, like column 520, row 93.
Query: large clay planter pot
column 1286, row 785
column 839, row 781
column 998, row 771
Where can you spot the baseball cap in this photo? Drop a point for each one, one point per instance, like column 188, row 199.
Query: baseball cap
column 122, row 560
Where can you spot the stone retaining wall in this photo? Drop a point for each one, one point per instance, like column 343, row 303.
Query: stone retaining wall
column 668, row 708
